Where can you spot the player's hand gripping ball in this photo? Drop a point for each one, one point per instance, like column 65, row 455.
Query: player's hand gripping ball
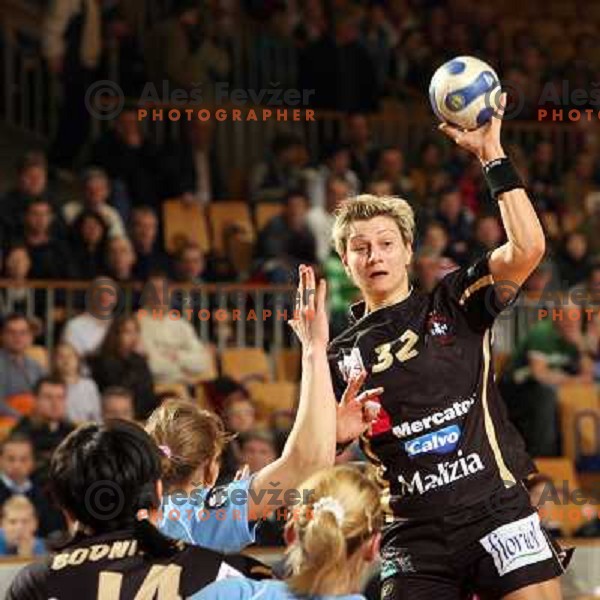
column 465, row 92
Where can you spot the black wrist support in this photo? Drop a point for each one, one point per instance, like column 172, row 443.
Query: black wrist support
column 501, row 177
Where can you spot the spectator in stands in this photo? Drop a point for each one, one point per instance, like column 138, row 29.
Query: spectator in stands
column 574, row 260
column 16, row 468
column 181, row 50
column 32, row 184
column 411, row 62
column 273, row 180
column 128, row 157
column 488, row 235
column 86, row 331
column 119, row 362
column 336, row 165
column 287, row 241
column 72, row 46
column 190, row 169
column 239, row 411
column 340, row 70
column 96, row 195
column 83, row 398
column 363, row 152
column 391, row 168
column 579, row 182
column 458, row 222
column 427, row 269
column 18, row 372
column 18, row 527
column 342, row 292
column 428, row 176
column 120, row 259
column 232, row 401
column 190, row 264
column 18, row 297
column 47, row 425
column 379, row 37
column 50, row 257
column 312, row 25
column 175, row 354
column 258, row 449
column 544, row 182
column 380, row 188
column 552, row 354
column 435, row 238
column 147, row 247
column 117, row 403
column 89, row 235
column 320, row 218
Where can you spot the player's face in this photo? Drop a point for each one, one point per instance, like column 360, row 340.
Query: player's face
column 377, row 258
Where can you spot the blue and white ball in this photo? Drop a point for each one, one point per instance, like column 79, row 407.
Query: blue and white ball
column 465, row 92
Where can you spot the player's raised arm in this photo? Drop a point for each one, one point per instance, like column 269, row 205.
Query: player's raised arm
column 311, row 443
column 518, row 257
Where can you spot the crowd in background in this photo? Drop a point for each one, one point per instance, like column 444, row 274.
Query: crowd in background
column 110, row 224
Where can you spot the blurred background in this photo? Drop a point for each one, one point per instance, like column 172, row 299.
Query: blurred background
column 103, row 213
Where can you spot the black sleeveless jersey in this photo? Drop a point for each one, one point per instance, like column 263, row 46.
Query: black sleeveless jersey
column 112, row 566
column 442, row 439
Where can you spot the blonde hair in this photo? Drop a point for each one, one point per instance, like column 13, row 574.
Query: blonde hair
column 324, row 545
column 368, row 206
column 189, row 437
column 18, row 502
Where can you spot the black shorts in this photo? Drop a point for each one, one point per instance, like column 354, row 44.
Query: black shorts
column 490, row 549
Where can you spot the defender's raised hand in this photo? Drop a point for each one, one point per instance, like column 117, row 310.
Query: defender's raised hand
column 310, row 322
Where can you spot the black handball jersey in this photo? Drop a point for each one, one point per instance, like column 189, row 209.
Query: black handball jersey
column 113, row 567
column 442, row 439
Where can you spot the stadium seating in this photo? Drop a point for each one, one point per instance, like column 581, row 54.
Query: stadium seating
column 245, row 364
column 287, row 364
column 223, row 216
column 184, row 223
column 273, row 396
column 572, row 400
column 265, row 211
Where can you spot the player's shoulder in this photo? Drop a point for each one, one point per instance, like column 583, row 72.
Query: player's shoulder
column 30, row 582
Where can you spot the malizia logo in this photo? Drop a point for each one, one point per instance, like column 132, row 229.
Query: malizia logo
column 442, row 441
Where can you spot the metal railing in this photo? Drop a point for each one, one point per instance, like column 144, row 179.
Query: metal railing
column 225, row 314
column 228, row 314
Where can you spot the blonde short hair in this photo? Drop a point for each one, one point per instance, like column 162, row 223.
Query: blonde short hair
column 366, row 207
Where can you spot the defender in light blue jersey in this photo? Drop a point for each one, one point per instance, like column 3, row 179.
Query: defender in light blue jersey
column 332, row 541
column 222, row 524
column 192, row 440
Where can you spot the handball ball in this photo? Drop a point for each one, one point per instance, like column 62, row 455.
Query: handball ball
column 465, row 92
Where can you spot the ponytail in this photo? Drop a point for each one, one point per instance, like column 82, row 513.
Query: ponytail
column 344, row 512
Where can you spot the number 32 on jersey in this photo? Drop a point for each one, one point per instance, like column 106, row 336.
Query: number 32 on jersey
column 385, row 358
